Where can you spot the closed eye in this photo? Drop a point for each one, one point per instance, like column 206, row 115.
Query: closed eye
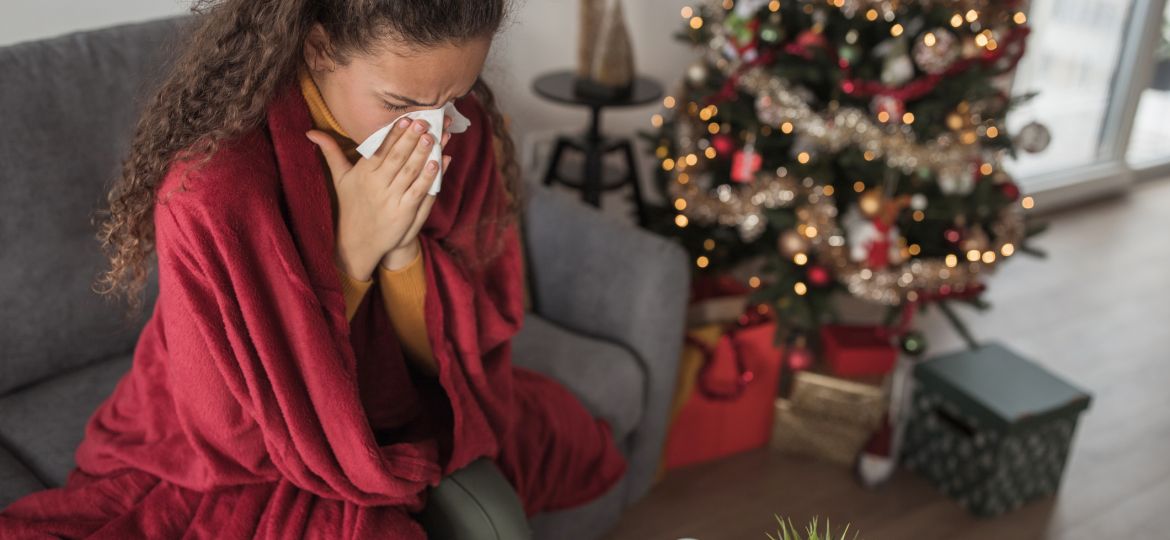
column 392, row 107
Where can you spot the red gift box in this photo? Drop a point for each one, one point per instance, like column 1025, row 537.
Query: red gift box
column 731, row 407
column 857, row 351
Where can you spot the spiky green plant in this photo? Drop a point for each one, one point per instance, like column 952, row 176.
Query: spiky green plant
column 788, row 531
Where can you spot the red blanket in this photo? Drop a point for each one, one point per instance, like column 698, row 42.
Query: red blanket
column 255, row 409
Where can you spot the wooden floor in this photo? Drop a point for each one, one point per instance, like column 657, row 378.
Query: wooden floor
column 1097, row 311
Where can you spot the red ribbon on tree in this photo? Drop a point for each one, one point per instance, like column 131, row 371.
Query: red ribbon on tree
column 906, row 315
column 728, row 91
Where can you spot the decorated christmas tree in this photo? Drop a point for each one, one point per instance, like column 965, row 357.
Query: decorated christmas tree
column 851, row 147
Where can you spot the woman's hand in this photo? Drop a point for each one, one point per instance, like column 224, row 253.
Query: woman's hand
column 408, row 249
column 380, row 198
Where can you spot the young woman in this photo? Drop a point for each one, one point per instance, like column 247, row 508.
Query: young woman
column 273, row 394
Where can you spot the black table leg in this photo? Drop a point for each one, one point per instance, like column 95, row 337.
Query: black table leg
column 551, row 172
column 632, row 178
column 594, row 147
column 591, row 192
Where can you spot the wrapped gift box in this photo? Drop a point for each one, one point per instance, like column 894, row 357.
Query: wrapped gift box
column 854, row 401
column 857, row 351
column 823, row 438
column 710, row 417
column 990, row 428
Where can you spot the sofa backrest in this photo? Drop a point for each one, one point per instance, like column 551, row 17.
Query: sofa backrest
column 67, row 110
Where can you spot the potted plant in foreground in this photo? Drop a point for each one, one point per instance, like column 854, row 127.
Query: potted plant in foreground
column 788, row 531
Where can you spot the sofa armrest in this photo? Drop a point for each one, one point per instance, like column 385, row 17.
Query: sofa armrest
column 619, row 283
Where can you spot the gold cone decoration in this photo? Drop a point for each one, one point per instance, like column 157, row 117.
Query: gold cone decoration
column 605, row 54
column 591, row 14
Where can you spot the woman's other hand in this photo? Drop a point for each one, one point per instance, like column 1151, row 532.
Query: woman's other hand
column 380, row 198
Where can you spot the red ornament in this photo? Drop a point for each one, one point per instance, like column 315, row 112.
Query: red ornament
column 799, row 358
column 805, row 43
column 723, row 144
column 809, row 40
column 818, row 275
column 1010, row 191
column 744, row 165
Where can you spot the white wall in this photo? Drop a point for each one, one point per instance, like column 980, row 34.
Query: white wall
column 541, row 36
column 24, row 20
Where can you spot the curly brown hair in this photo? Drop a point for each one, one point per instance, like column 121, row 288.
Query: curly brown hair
column 237, row 56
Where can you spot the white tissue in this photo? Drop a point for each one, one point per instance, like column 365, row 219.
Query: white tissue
column 434, row 118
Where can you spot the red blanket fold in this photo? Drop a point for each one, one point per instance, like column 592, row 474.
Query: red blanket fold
column 255, row 409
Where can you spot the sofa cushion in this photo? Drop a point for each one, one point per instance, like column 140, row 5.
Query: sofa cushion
column 44, row 423
column 16, row 480
column 604, row 376
column 69, row 106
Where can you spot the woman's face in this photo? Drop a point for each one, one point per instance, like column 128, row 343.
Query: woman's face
column 371, row 91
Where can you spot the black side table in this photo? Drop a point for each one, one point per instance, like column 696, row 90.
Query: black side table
column 559, row 87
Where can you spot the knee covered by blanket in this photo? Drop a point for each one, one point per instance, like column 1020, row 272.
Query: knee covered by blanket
column 474, row 503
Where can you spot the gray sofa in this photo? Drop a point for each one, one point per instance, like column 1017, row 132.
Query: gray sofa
column 608, row 299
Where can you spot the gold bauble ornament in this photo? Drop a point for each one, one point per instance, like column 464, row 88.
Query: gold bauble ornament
column 870, row 202
column 791, row 242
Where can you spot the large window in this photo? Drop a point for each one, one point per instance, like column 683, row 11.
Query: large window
column 1150, row 142
column 1102, row 70
column 1071, row 56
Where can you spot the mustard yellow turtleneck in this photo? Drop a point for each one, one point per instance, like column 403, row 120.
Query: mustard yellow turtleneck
column 403, row 289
